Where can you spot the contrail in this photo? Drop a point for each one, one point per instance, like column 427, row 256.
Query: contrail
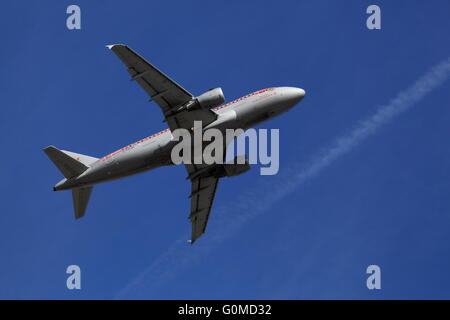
column 254, row 203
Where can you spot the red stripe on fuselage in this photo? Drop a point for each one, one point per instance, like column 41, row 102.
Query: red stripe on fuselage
column 161, row 132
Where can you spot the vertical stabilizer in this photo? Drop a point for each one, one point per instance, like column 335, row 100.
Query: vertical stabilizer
column 71, row 165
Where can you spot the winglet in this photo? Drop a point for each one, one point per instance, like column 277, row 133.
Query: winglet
column 110, row 46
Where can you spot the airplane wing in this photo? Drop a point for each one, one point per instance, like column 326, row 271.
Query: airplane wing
column 164, row 91
column 204, row 179
column 202, row 197
column 170, row 97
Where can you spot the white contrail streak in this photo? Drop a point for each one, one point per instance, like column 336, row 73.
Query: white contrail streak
column 230, row 219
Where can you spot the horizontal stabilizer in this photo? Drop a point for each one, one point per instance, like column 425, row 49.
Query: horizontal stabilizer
column 86, row 160
column 80, row 200
column 68, row 166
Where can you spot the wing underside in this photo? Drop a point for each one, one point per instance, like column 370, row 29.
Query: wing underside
column 171, row 98
column 202, row 198
column 162, row 90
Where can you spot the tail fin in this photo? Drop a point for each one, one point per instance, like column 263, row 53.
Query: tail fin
column 80, row 198
column 69, row 163
column 72, row 165
column 86, row 160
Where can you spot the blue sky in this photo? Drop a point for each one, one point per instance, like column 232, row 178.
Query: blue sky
column 385, row 202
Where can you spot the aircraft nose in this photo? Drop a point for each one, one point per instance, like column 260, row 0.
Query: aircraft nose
column 294, row 95
column 300, row 92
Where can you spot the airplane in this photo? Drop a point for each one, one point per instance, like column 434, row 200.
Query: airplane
column 180, row 109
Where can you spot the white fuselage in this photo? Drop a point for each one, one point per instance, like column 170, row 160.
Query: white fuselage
column 155, row 151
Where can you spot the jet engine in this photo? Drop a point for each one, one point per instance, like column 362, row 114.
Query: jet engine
column 232, row 168
column 211, row 98
column 236, row 167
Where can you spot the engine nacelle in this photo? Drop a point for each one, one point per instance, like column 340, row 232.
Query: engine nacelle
column 211, row 99
column 232, row 168
column 236, row 167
